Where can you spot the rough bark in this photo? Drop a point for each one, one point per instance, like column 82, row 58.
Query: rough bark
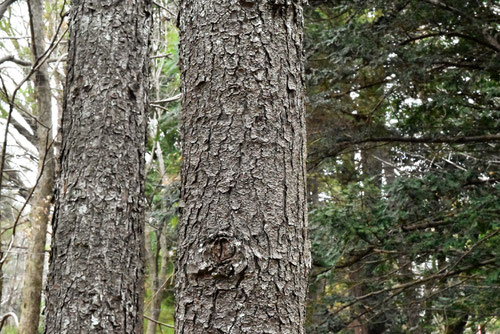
column 41, row 203
column 243, row 254
column 95, row 282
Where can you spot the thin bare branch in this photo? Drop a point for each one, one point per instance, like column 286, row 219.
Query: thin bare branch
column 159, row 323
column 13, row 59
column 170, row 99
column 6, row 316
column 3, row 8
column 37, row 64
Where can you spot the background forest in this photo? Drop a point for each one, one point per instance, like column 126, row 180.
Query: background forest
column 403, row 119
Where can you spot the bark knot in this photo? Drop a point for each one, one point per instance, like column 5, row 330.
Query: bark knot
column 222, row 257
column 223, row 250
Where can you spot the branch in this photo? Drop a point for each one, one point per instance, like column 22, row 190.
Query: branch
column 404, row 286
column 428, row 140
column 23, row 131
column 343, row 144
column 159, row 323
column 490, row 235
column 167, row 55
column 37, row 64
column 490, row 42
column 52, row 60
column 15, row 60
column 170, row 99
column 487, row 44
column 164, row 8
column 3, row 8
column 48, row 146
column 6, row 316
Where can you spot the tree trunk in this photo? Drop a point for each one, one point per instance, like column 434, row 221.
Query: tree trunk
column 158, row 287
column 158, row 260
column 243, row 254
column 96, row 282
column 41, row 203
column 361, row 272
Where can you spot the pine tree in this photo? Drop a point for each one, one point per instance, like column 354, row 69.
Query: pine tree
column 95, row 283
column 243, row 255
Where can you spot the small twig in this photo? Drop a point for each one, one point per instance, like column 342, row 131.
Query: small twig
column 158, row 106
column 157, row 322
column 167, row 55
column 164, row 8
column 12, row 37
column 16, row 222
column 37, row 64
column 451, row 266
column 170, row 99
column 14, row 60
column 169, row 278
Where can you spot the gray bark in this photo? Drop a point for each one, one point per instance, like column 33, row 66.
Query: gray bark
column 243, row 254
column 41, row 203
column 96, row 282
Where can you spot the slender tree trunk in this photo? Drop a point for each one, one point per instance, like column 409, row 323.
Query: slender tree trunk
column 96, row 282
column 159, row 260
column 40, row 206
column 1, row 276
column 243, row 255
column 361, row 273
column 158, row 286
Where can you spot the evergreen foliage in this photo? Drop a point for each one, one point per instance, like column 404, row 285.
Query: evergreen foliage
column 404, row 102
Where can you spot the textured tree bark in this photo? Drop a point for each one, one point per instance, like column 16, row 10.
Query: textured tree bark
column 243, row 254
column 40, row 205
column 95, row 282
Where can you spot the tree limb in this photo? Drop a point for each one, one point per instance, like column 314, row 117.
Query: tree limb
column 4, row 6
column 6, row 316
column 427, row 140
column 23, row 131
column 170, row 99
column 13, row 59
